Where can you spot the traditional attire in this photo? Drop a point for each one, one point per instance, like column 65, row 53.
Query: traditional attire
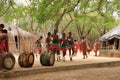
column 76, row 47
column 63, row 47
column 88, row 49
column 80, row 47
column 48, row 43
column 70, row 46
column 95, row 47
column 84, row 48
column 39, row 46
column 3, row 43
column 54, row 45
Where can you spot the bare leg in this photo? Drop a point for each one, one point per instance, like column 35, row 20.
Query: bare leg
column 58, row 54
column 64, row 53
column 96, row 53
column 72, row 51
column 70, row 55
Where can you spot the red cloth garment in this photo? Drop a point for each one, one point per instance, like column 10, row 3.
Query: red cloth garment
column 88, row 49
column 95, row 47
column 80, row 47
column 39, row 46
column 38, row 49
column 54, row 45
column 48, row 47
column 70, row 45
column 3, row 46
column 63, row 48
column 76, row 47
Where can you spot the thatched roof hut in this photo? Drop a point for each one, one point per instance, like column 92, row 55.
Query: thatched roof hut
column 114, row 33
column 111, row 38
column 110, row 43
column 20, row 40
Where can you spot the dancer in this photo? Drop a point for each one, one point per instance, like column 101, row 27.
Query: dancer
column 48, row 41
column 70, row 45
column 63, row 46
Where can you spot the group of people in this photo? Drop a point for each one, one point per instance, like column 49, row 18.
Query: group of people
column 55, row 44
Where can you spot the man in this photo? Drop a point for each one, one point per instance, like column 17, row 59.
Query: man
column 63, row 45
column 3, row 43
column 70, row 45
column 3, row 40
column 55, row 45
column 39, row 45
column 48, row 41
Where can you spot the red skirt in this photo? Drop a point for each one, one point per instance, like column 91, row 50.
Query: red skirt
column 54, row 46
column 63, row 48
column 48, row 47
column 70, row 46
column 38, row 48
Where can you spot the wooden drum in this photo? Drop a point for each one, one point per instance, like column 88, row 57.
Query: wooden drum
column 47, row 58
column 26, row 59
column 7, row 61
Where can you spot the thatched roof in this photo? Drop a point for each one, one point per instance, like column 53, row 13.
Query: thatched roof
column 114, row 33
column 14, row 30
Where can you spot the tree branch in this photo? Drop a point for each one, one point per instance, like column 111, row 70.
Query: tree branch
column 67, row 25
column 73, row 7
column 58, row 21
column 5, row 11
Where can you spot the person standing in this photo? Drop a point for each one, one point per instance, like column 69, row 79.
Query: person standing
column 4, row 48
column 48, row 41
column 63, row 45
column 55, row 44
column 70, row 44
column 84, row 48
column 95, row 47
column 38, row 45
column 76, row 47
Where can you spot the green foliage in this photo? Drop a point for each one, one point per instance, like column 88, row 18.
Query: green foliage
column 89, row 15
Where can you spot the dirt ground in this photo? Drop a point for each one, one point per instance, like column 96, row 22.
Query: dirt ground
column 112, row 73
column 108, row 73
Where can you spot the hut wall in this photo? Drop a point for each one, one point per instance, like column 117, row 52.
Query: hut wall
column 24, row 43
column 110, row 53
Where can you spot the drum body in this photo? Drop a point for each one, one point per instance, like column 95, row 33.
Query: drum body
column 47, row 58
column 26, row 59
column 7, row 61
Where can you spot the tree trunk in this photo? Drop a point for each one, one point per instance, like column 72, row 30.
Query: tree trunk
column 58, row 21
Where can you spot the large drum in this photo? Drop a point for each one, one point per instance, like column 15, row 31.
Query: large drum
column 47, row 58
column 7, row 61
column 26, row 59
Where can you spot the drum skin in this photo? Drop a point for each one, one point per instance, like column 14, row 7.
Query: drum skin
column 26, row 59
column 47, row 58
column 7, row 61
